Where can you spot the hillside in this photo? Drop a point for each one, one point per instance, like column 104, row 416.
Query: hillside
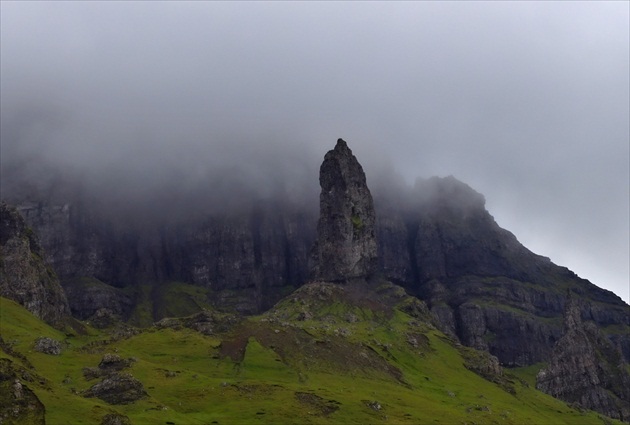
column 323, row 301
column 325, row 354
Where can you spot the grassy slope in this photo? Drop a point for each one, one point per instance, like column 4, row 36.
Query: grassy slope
column 169, row 299
column 288, row 372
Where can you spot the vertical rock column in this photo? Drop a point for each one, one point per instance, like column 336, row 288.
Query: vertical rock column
column 346, row 243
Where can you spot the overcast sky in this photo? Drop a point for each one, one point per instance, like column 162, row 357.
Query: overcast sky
column 527, row 102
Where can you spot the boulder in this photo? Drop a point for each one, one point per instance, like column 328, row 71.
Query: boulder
column 47, row 346
column 115, row 419
column 117, row 388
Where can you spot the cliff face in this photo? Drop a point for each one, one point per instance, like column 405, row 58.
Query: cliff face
column 585, row 368
column 437, row 240
column 481, row 284
column 346, row 241
column 248, row 260
column 24, row 275
column 80, row 242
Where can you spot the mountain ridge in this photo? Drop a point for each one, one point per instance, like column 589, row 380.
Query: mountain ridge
column 437, row 241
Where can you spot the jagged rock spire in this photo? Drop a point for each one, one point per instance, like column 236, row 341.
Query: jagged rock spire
column 346, row 242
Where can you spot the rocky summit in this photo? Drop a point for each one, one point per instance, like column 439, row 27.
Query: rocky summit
column 346, row 242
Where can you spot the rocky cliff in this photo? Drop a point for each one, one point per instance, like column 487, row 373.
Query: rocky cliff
column 346, row 242
column 24, row 275
column 586, row 368
column 248, row 259
column 436, row 239
column 481, row 284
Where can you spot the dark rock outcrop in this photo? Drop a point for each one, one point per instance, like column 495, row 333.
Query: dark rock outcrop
column 109, row 365
column 115, row 419
column 18, row 403
column 47, row 346
column 117, row 388
column 248, row 260
column 113, row 362
column 346, row 242
column 24, row 275
column 585, row 368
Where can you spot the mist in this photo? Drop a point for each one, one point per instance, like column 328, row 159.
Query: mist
column 200, row 106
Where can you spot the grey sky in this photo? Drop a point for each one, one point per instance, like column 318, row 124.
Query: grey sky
column 527, row 102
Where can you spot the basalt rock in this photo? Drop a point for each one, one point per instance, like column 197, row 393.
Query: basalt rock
column 482, row 285
column 109, row 365
column 585, row 368
column 117, row 388
column 47, row 346
column 18, row 403
column 24, row 275
column 249, row 258
column 113, row 362
column 346, row 241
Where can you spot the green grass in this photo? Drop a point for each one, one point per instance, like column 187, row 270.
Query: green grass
column 142, row 314
column 178, row 299
column 528, row 373
column 289, row 371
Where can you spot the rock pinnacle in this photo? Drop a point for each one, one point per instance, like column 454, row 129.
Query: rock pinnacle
column 346, row 242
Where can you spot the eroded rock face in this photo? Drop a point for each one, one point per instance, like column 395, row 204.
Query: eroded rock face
column 481, row 284
column 19, row 404
column 249, row 258
column 346, row 240
column 585, row 368
column 24, row 276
